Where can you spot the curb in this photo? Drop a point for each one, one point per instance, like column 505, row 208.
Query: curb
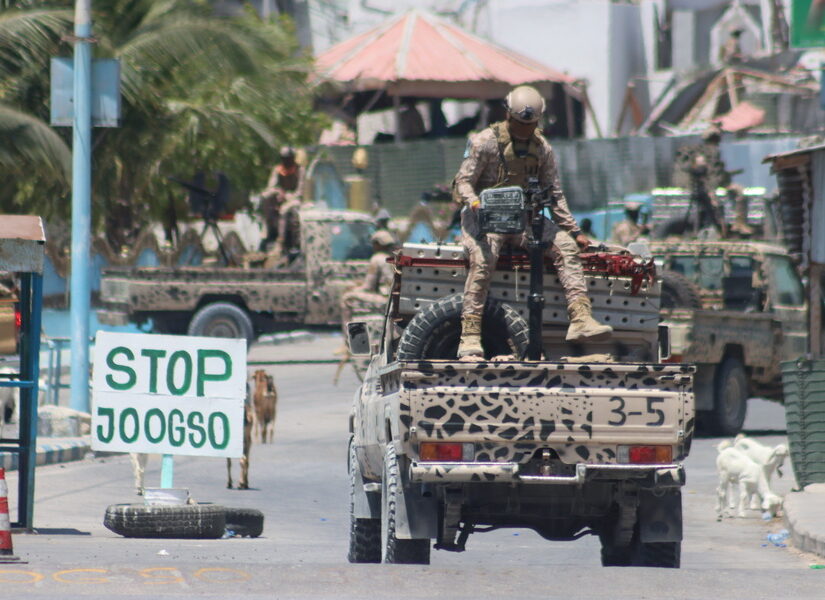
column 287, row 337
column 803, row 512
column 51, row 451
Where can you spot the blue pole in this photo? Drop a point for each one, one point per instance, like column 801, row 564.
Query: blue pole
column 81, row 205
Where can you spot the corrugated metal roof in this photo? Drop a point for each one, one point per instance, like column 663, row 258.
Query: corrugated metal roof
column 418, row 54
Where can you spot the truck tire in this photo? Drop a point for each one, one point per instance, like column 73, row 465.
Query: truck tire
column 679, row 292
column 222, row 319
column 395, row 551
column 434, row 332
column 730, row 399
column 191, row 521
column 364, row 534
column 246, row 522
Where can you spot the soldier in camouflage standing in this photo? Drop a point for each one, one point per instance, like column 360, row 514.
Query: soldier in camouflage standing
column 700, row 169
column 628, row 230
column 507, row 154
column 371, row 295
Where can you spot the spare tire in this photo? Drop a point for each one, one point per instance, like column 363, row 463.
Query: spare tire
column 679, row 292
column 434, row 332
column 189, row 521
column 246, row 522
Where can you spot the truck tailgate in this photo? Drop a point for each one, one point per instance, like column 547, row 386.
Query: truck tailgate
column 582, row 411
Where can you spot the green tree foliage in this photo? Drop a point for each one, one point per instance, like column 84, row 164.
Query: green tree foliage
column 200, row 92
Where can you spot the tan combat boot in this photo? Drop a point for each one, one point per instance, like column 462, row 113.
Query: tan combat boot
column 470, row 344
column 582, row 324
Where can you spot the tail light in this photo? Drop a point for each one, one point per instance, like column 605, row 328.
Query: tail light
column 645, row 455
column 18, row 319
column 446, row 452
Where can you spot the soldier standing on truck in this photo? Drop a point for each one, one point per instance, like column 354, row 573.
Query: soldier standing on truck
column 372, row 294
column 283, row 193
column 629, row 230
column 507, row 154
column 701, row 170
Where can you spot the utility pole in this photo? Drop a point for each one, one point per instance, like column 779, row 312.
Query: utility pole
column 81, row 205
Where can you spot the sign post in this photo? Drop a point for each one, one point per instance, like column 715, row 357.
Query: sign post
column 166, row 394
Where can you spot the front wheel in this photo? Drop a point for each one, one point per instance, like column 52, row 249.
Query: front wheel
column 364, row 534
column 394, row 550
column 730, row 401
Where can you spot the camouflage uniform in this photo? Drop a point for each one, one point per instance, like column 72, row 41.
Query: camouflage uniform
column 283, row 196
column 371, row 296
column 625, row 232
column 483, row 168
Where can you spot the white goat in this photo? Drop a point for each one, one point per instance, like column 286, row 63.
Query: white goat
column 769, row 458
column 735, row 468
column 9, row 400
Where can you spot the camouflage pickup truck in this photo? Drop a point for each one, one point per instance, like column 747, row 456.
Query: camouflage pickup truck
column 245, row 302
column 741, row 310
column 589, row 440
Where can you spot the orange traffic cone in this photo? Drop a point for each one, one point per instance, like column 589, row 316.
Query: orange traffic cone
column 6, row 550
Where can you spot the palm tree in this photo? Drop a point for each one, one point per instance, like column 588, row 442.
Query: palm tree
column 34, row 158
column 198, row 92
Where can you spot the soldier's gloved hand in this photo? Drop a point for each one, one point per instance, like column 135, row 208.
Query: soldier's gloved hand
column 582, row 241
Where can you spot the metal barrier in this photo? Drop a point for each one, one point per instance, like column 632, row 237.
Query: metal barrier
column 53, row 383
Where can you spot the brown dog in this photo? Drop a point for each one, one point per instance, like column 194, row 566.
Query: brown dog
column 248, row 420
column 266, row 402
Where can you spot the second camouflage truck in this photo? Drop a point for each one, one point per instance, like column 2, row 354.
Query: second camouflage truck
column 589, row 440
column 240, row 302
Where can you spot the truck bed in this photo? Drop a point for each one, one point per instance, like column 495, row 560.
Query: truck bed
column 509, row 410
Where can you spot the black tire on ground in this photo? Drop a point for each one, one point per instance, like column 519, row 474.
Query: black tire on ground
column 614, row 556
column 246, row 522
column 222, row 319
column 364, row 534
column 434, row 332
column 679, row 292
column 394, row 550
column 190, row 521
column 730, row 399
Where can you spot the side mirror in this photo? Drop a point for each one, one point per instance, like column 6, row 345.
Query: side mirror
column 664, row 342
column 358, row 338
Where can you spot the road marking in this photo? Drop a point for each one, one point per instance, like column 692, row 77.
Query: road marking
column 35, row 577
column 59, row 576
column 174, row 576
column 147, row 576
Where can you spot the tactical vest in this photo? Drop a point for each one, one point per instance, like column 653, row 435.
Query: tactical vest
column 514, row 169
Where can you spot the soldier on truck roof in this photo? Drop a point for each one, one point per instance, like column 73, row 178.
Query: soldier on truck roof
column 506, row 154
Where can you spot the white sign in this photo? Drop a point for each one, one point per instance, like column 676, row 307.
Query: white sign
column 168, row 394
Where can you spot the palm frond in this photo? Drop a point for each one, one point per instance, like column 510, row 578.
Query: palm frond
column 28, row 145
column 26, row 35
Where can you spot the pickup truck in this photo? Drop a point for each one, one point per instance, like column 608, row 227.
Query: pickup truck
column 745, row 314
column 589, row 440
column 245, row 302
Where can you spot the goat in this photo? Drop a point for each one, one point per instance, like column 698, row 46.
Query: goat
column 735, row 468
column 139, row 461
column 266, row 404
column 248, row 420
column 769, row 458
column 9, row 400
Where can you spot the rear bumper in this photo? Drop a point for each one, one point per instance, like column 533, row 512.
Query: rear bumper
column 660, row 476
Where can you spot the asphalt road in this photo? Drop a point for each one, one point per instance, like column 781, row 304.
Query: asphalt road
column 300, row 483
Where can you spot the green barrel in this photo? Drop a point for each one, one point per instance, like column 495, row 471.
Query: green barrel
column 803, row 383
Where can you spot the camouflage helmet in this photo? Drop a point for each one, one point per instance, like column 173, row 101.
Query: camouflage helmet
column 525, row 104
column 382, row 238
